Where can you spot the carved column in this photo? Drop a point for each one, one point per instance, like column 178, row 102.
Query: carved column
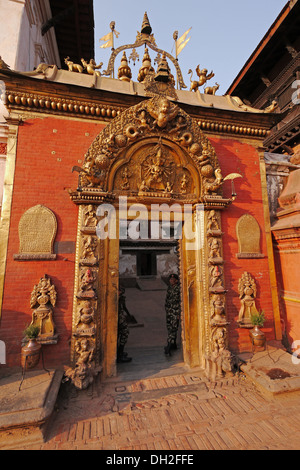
column 218, row 357
column 85, row 343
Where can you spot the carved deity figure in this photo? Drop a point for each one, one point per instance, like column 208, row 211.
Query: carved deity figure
column 218, row 310
column 247, row 291
column 215, row 277
column 157, row 171
column 90, row 219
column 183, row 184
column 221, row 358
column 83, row 373
column 163, row 113
column 214, row 251
column 86, row 290
column 125, row 179
column 85, row 321
column 43, row 298
column 89, row 247
column 212, row 222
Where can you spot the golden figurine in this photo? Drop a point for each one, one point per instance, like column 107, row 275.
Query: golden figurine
column 91, row 67
column 203, row 78
column 163, row 113
column 211, row 90
column 73, row 67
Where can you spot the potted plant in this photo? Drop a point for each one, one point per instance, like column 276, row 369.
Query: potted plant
column 257, row 336
column 30, row 354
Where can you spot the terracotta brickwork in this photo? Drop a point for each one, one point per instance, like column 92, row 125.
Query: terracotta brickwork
column 47, row 150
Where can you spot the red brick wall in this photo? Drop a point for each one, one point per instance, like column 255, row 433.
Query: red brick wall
column 46, row 152
column 242, row 158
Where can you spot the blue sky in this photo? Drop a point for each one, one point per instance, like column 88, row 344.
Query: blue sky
column 223, row 36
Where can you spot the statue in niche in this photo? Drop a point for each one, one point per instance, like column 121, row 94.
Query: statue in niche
column 183, row 184
column 168, row 188
column 214, row 251
column 215, row 277
column 85, row 323
column 90, row 244
column 83, row 373
column 247, row 291
column 218, row 310
column 90, row 219
column 43, row 298
column 125, row 179
column 221, row 358
column 212, row 223
column 86, row 286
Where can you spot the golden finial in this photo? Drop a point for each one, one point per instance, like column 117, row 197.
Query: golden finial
column 146, row 28
column 146, row 67
column 163, row 73
column 124, row 71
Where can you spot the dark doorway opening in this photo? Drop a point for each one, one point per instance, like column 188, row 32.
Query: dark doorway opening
column 146, row 264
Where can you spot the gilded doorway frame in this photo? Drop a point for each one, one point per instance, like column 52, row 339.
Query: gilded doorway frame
column 158, row 145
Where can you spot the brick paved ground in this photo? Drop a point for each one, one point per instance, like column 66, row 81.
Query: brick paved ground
column 182, row 412
column 156, row 404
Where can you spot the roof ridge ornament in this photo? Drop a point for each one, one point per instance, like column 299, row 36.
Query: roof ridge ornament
column 144, row 37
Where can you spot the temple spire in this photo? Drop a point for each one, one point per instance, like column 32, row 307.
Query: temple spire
column 146, row 28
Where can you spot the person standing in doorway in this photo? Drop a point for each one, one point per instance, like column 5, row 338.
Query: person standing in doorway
column 123, row 330
column 172, row 306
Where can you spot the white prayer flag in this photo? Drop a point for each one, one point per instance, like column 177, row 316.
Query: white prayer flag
column 109, row 38
column 182, row 42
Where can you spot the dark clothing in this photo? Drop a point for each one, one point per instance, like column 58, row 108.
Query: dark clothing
column 172, row 306
column 123, row 330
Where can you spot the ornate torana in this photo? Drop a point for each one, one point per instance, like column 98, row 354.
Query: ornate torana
column 155, row 119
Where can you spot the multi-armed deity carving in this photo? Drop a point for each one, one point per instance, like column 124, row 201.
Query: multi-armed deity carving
column 43, row 300
column 247, row 295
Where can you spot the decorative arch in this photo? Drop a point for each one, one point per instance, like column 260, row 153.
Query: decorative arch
column 162, row 123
